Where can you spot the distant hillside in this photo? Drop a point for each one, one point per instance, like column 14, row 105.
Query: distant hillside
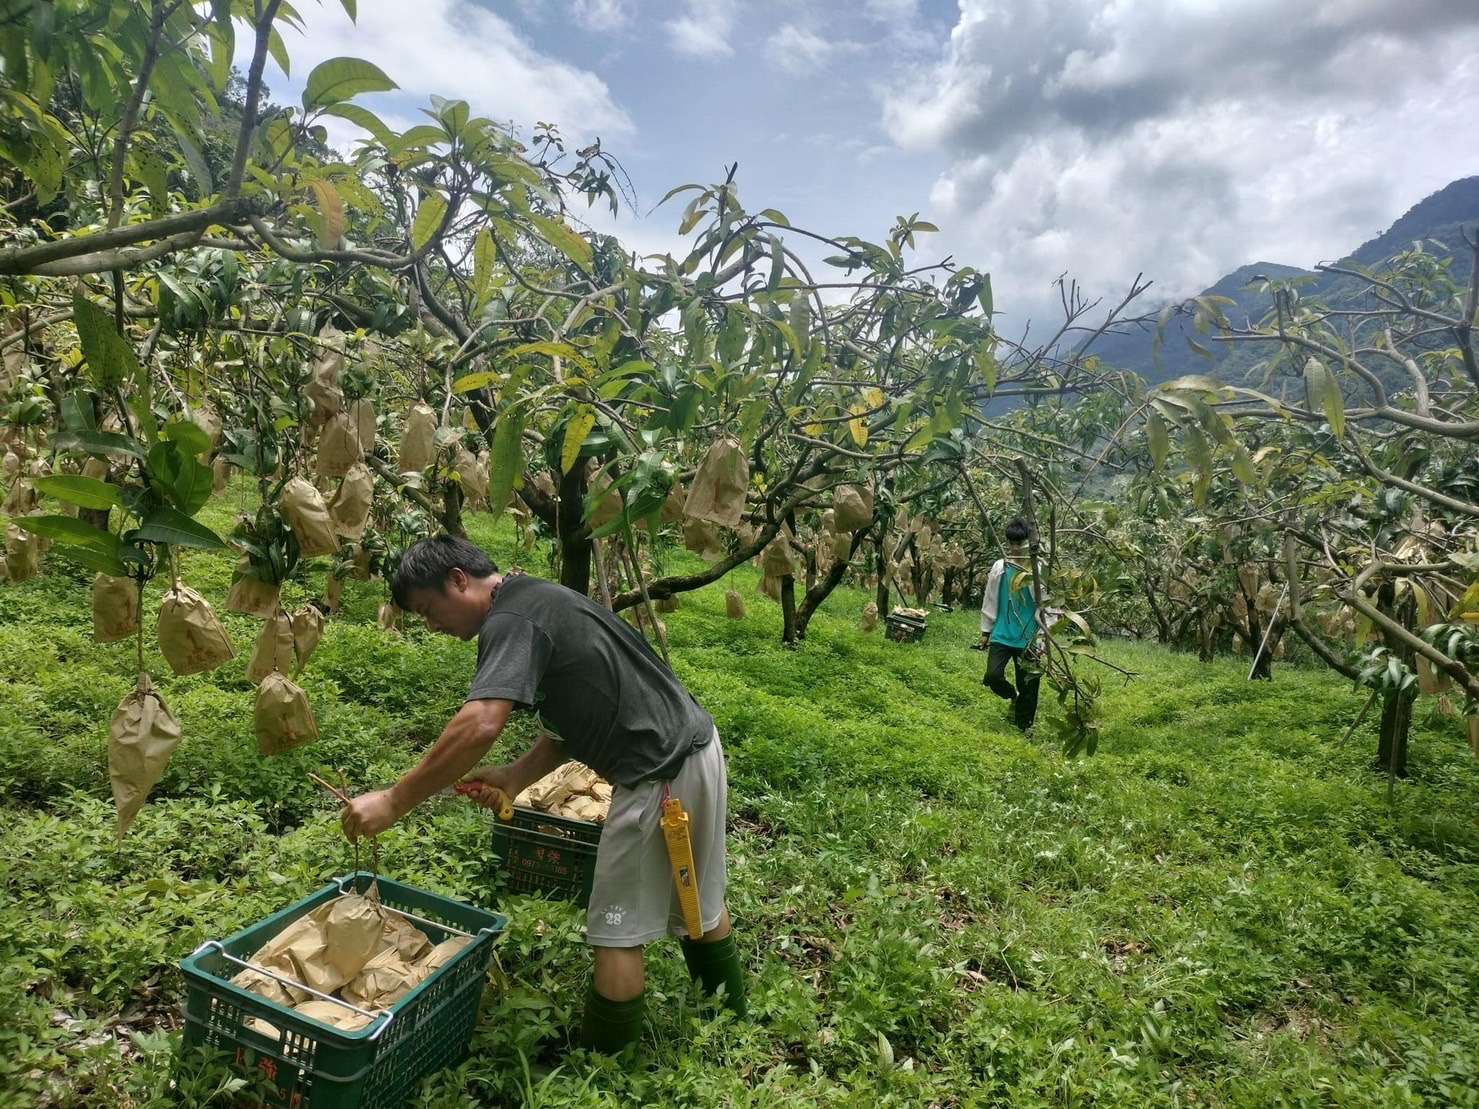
column 1438, row 217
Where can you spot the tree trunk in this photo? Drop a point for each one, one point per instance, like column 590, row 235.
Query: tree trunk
column 880, row 594
column 1396, row 722
column 788, row 611
column 575, row 536
column 1396, row 705
column 452, row 510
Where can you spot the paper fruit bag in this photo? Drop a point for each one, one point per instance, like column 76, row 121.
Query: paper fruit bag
column 349, row 511
column 418, row 440
column 282, row 716
column 718, row 491
column 273, row 652
column 141, row 737
column 191, row 637
column 304, row 509
column 308, row 629
column 115, row 608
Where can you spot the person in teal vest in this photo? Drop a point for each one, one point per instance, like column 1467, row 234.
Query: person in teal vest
column 1009, row 627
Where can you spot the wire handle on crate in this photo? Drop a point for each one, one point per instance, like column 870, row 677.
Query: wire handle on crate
column 372, row 1015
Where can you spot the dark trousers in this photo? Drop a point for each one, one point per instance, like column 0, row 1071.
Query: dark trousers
column 1024, row 696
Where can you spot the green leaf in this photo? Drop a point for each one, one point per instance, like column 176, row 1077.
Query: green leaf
column 85, row 492
column 65, row 529
column 575, row 434
column 484, row 264
column 331, row 219
column 94, row 559
column 169, row 525
column 428, row 219
column 190, row 435
column 562, row 238
column 110, row 357
column 1242, row 465
column 363, row 118
column 1334, row 402
column 505, row 462
column 98, row 443
column 479, row 380
column 199, row 172
column 339, row 79
column 1155, row 433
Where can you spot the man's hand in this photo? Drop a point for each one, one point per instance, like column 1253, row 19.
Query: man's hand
column 481, row 785
column 369, row 814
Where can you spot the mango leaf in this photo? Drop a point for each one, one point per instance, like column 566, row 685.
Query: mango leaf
column 476, row 381
column 190, row 435
column 858, row 427
column 428, row 219
column 331, row 219
column 363, row 118
column 1334, row 402
column 505, row 462
column 339, row 79
column 1155, row 433
column 484, row 264
column 575, row 434
column 1242, row 465
column 84, row 492
column 110, row 357
column 170, row 525
column 563, row 239
column 98, row 443
column 65, row 529
column 102, row 561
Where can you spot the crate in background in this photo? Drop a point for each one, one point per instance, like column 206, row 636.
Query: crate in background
column 904, row 629
column 549, row 854
column 317, row 1066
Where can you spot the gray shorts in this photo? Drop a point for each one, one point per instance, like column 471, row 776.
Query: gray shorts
column 634, row 899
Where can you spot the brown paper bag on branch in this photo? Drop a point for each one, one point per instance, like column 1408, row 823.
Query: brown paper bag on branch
column 734, row 605
column 308, row 629
column 273, row 652
column 718, row 491
column 339, row 447
column 191, row 636
column 852, row 507
column 282, row 716
column 22, row 554
column 141, row 737
column 304, row 509
column 362, row 412
column 251, row 596
column 349, row 511
column 220, row 476
column 418, row 439
column 870, row 616
column 115, row 608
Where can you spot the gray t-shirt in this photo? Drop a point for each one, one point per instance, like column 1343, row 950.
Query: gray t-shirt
column 595, row 682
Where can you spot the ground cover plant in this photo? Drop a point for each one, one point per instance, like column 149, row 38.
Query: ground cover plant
column 1219, row 908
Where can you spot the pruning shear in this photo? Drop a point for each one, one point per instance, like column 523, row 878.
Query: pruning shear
column 503, row 802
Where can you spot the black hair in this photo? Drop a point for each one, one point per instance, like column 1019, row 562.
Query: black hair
column 1017, row 530
column 430, row 562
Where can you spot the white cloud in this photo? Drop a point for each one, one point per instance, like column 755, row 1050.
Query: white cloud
column 600, row 15
column 1184, row 139
column 798, row 50
column 704, row 32
column 457, row 49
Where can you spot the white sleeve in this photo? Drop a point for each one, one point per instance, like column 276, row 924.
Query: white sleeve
column 990, row 600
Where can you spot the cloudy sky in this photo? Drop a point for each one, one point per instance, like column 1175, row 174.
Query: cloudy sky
column 1093, row 138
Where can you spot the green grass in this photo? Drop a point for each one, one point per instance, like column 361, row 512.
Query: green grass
column 1218, row 909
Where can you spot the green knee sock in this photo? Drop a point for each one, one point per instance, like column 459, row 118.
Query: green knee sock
column 610, row 1025
column 718, row 964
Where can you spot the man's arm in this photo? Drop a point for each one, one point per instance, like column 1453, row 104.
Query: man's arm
column 462, row 744
column 990, row 599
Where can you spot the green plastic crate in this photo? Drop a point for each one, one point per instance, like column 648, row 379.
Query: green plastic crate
column 317, row 1066
column 549, row 854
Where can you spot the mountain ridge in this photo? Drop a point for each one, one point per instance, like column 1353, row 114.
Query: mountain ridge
column 1437, row 217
